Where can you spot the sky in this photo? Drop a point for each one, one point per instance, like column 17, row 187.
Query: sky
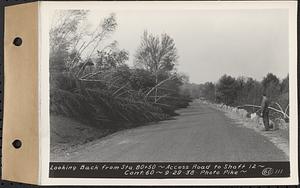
column 211, row 43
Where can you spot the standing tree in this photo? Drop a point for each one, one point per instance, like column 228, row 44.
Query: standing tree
column 208, row 91
column 271, row 85
column 285, row 85
column 226, row 90
column 253, row 92
column 64, row 31
column 158, row 55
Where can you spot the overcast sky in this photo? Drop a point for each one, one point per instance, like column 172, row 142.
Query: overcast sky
column 211, row 43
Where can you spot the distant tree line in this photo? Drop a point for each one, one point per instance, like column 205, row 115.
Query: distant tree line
column 91, row 82
column 243, row 90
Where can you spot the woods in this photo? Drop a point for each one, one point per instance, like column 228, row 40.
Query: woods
column 92, row 82
column 246, row 92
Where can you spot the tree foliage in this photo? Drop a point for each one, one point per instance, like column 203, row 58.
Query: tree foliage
column 62, row 35
column 208, row 91
column 227, row 89
column 156, row 53
column 240, row 91
column 271, row 85
column 91, row 81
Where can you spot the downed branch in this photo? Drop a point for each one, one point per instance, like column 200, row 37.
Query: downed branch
column 271, row 108
column 159, row 84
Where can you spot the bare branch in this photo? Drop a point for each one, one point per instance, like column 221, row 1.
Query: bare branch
column 271, row 108
column 159, row 84
column 120, row 89
column 286, row 109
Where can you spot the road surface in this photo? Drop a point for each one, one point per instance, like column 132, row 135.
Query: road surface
column 199, row 134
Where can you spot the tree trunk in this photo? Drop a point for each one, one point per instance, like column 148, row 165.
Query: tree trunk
column 156, row 82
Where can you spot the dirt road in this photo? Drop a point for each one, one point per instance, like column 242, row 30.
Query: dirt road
column 199, row 134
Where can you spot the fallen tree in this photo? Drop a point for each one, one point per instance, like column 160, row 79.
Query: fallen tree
column 271, row 108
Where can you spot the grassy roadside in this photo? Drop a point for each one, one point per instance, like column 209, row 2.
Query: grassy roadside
column 67, row 134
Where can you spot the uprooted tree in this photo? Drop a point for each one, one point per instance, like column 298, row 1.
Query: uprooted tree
column 91, row 82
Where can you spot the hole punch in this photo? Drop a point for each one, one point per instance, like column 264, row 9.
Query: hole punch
column 17, row 143
column 17, row 41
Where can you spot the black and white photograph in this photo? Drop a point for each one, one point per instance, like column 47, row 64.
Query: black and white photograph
column 170, row 84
